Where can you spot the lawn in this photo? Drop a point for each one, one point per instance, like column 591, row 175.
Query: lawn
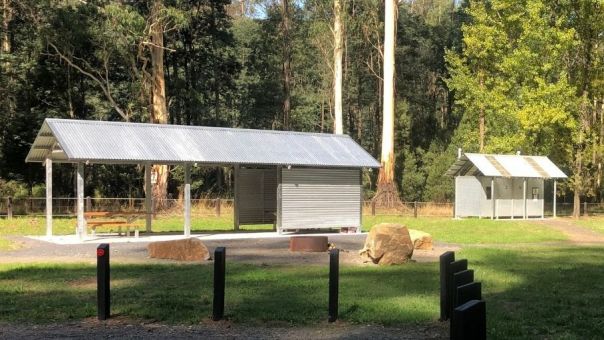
column 467, row 231
column 538, row 292
column 473, row 231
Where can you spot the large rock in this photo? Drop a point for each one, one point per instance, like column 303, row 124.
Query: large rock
column 421, row 240
column 190, row 249
column 388, row 243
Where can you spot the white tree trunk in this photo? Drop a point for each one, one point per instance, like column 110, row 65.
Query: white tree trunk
column 337, row 74
column 387, row 157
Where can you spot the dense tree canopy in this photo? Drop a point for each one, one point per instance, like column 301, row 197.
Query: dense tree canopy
column 491, row 75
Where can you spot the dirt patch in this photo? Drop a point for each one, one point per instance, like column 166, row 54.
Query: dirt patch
column 121, row 328
column 576, row 234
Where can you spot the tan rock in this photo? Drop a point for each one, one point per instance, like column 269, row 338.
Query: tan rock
column 421, row 240
column 190, row 249
column 388, row 243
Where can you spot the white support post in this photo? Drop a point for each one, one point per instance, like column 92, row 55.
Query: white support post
column 80, row 203
column 187, row 197
column 48, row 164
column 236, row 199
column 148, row 198
column 554, row 207
column 493, row 200
column 524, row 214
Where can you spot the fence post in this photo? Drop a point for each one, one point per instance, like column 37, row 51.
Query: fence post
column 373, row 208
column 9, row 207
column 217, row 206
column 88, row 203
column 102, row 282
column 445, row 260
column 584, row 208
column 334, row 282
column 219, row 282
column 415, row 209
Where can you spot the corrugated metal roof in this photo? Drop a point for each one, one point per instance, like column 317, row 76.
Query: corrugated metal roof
column 134, row 143
column 505, row 166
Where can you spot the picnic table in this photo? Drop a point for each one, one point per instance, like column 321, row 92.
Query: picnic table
column 118, row 219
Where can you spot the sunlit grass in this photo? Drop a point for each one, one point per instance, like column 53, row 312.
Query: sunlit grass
column 473, row 231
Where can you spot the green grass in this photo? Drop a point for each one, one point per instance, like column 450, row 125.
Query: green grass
column 66, row 225
column 538, row 292
column 594, row 223
column 43, row 293
column 473, row 231
column 467, row 231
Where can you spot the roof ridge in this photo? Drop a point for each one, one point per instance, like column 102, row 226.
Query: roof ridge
column 197, row 127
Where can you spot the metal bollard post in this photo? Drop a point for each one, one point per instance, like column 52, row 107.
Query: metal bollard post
column 454, row 267
column 102, row 281
column 219, row 282
column 459, row 279
column 445, row 260
column 468, row 292
column 334, row 281
column 469, row 321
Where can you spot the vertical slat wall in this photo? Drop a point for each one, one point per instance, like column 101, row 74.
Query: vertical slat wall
column 469, row 194
column 257, row 195
column 320, row 198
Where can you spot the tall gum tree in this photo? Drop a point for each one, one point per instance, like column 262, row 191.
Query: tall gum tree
column 338, row 35
column 387, row 192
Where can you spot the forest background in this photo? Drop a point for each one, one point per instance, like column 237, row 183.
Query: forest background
column 490, row 76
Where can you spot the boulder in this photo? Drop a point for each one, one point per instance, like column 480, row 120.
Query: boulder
column 388, row 243
column 190, row 249
column 421, row 240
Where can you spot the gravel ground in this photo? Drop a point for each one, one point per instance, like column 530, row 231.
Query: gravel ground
column 272, row 251
column 123, row 329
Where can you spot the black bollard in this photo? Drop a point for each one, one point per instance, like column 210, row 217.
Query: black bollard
column 103, row 293
column 219, row 281
column 454, row 267
column 459, row 279
column 469, row 321
column 445, row 259
column 334, row 281
column 467, row 292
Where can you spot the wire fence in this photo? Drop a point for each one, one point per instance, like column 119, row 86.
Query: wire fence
column 67, row 206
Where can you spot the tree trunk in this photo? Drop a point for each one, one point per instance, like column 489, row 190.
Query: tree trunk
column 337, row 74
column 7, row 15
column 285, row 26
column 159, row 112
column 481, row 117
column 387, row 193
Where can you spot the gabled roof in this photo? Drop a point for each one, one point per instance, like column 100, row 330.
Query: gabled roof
column 70, row 141
column 473, row 164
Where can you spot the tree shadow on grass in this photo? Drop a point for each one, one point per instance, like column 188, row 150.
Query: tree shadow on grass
column 542, row 292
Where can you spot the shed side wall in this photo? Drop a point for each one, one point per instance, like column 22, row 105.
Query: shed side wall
column 320, row 198
column 469, row 194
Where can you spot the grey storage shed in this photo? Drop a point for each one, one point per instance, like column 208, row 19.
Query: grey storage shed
column 502, row 186
column 292, row 179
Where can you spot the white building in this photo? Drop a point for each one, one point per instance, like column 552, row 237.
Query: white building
column 502, row 186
